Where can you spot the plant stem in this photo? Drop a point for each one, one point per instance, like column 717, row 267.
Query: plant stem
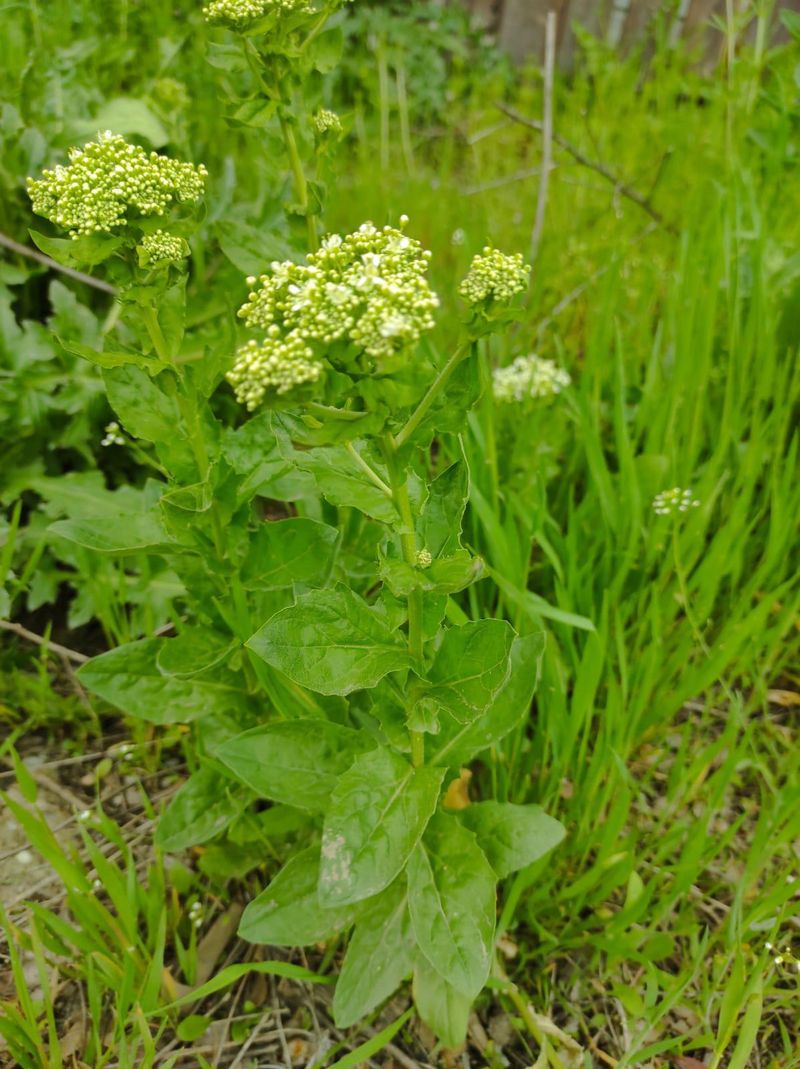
column 438, row 384
column 300, row 181
column 408, row 543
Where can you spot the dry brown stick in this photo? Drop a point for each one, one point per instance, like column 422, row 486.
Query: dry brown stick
column 594, row 165
column 40, row 640
column 547, row 132
column 33, row 254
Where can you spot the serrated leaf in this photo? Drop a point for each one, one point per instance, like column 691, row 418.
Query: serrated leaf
column 144, row 409
column 284, row 552
column 441, row 1006
column 297, row 762
column 378, row 958
column 439, row 528
column 124, row 533
column 332, row 642
column 512, row 836
column 451, row 894
column 203, row 807
column 288, row 913
column 341, row 480
column 128, row 677
column 471, row 665
column 457, row 743
column 378, row 812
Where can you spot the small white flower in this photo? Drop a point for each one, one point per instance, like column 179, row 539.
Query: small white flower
column 494, row 277
column 112, row 435
column 424, row 559
column 24, row 858
column 85, row 816
column 458, row 236
column 327, row 122
column 529, row 378
column 670, row 502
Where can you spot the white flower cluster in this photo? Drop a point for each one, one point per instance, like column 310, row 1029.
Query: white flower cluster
column 368, row 288
column 495, row 276
column 107, row 179
column 675, row 500
column 326, row 122
column 113, row 435
column 529, row 378
column 161, row 245
column 278, row 363
column 238, row 13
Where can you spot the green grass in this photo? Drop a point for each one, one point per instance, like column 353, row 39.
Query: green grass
column 655, row 736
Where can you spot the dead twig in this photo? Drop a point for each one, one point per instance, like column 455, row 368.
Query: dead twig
column 33, row 254
column 595, row 165
column 547, row 132
column 40, row 640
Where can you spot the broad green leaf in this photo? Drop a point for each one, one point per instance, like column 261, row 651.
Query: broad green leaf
column 325, row 51
column 289, row 551
column 251, row 248
column 378, row 812
column 378, row 958
column 439, row 527
column 145, row 409
column 203, row 807
column 126, row 115
column 445, row 575
column 152, row 365
column 457, row 743
column 471, row 665
column 84, row 251
column 297, row 762
column 512, row 836
column 332, row 642
column 342, row 481
column 193, row 651
column 451, row 894
column 254, row 452
column 443, row 1008
column 123, row 533
column 287, row 912
column 128, row 677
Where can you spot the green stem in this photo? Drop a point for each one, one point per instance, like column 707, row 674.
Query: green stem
column 435, row 388
column 300, row 181
column 408, row 543
column 370, row 472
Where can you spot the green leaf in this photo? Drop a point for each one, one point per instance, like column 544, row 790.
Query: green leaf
column 124, row 533
column 144, row 408
column 451, row 895
column 251, row 249
column 126, row 115
column 446, row 575
column 791, row 20
column 232, row 973
column 193, row 651
column 254, row 452
column 297, row 762
column 471, row 665
column 331, row 642
column 151, row 364
column 441, row 1006
column 203, row 807
column 85, row 251
column 457, row 743
column 290, row 551
column 128, row 677
column 341, row 480
column 325, row 50
column 512, row 836
column 288, row 913
column 192, row 1027
column 439, row 529
column 378, row 812
column 378, row 958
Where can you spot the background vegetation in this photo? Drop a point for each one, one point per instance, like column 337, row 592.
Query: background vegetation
column 663, row 734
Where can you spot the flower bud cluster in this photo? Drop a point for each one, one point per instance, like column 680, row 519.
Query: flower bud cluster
column 161, row 246
column 529, row 378
column 278, row 363
column 494, row 276
column 108, row 179
column 368, row 288
column 238, row 13
column 327, row 122
column 668, row 502
column 113, row 435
